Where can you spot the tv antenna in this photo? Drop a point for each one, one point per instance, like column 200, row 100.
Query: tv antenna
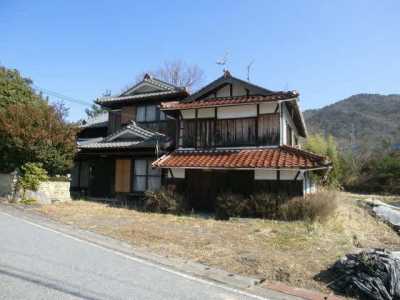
column 223, row 61
column 248, row 69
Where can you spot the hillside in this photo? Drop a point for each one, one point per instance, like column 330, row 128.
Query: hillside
column 370, row 118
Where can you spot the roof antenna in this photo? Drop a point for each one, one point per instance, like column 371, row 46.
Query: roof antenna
column 223, row 61
column 248, row 69
column 286, row 88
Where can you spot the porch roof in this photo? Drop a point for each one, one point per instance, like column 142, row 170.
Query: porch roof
column 284, row 157
column 140, row 138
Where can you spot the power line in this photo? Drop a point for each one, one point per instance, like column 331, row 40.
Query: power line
column 61, row 96
column 70, row 99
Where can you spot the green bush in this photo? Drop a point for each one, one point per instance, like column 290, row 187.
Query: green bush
column 164, row 201
column 326, row 147
column 31, row 174
column 315, row 207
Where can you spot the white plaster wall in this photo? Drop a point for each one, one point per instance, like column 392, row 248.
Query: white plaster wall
column 268, row 108
column 177, row 173
column 206, row 113
column 241, row 111
column 188, row 113
column 265, row 174
column 290, row 175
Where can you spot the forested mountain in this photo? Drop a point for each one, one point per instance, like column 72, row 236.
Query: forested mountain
column 363, row 119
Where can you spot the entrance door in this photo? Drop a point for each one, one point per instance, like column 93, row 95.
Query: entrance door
column 201, row 190
column 101, row 178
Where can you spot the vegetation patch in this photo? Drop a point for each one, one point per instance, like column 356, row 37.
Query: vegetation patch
column 316, row 207
column 164, row 201
column 293, row 252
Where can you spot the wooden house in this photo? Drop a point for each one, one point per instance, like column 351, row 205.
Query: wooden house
column 116, row 149
column 235, row 136
column 231, row 135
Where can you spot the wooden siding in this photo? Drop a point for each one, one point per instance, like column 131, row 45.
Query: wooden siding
column 128, row 113
column 114, row 121
column 123, row 175
column 207, row 133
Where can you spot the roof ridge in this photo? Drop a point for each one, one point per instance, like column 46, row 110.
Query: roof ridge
column 291, row 93
column 152, row 80
column 136, row 96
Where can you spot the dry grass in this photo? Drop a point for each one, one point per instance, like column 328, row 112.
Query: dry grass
column 293, row 252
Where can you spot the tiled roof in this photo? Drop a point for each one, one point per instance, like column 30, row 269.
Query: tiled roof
column 153, row 81
column 105, row 100
column 118, row 145
column 134, row 129
column 226, row 101
column 283, row 157
column 144, row 138
column 97, row 121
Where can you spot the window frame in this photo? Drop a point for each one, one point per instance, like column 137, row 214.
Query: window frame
column 146, row 176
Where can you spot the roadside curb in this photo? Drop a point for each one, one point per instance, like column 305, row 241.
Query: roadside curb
column 252, row 285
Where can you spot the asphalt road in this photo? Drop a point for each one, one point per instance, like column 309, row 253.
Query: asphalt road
column 39, row 263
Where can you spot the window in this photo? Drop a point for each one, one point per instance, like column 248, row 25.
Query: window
column 147, row 113
column 145, row 177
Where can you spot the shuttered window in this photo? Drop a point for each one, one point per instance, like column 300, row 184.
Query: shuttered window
column 122, row 175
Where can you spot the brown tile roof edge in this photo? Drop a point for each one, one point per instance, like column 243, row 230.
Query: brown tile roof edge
column 283, row 157
column 224, row 101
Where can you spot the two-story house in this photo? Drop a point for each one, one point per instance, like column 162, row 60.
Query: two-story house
column 235, row 136
column 116, row 149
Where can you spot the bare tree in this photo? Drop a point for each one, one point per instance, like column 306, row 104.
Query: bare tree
column 178, row 73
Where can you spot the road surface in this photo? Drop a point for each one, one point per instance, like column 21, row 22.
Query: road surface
column 39, row 263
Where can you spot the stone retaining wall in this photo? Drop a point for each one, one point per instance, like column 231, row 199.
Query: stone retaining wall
column 6, row 184
column 48, row 192
column 55, row 190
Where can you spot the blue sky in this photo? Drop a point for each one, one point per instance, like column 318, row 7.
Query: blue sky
column 327, row 50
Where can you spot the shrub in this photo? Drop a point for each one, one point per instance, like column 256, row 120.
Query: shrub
column 31, row 176
column 316, row 207
column 266, row 205
column 164, row 201
column 229, row 205
column 326, row 147
column 261, row 205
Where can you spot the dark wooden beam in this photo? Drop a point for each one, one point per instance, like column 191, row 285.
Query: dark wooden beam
column 196, row 114
column 297, row 175
column 256, row 125
column 276, row 109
